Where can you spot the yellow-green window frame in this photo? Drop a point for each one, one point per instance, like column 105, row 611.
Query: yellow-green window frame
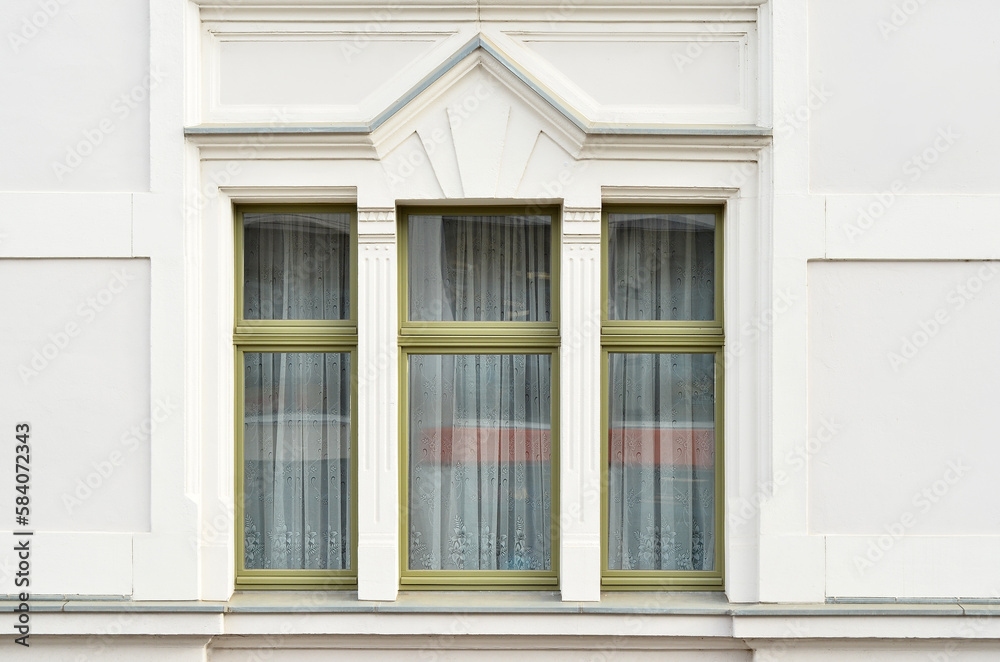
column 477, row 338
column 339, row 336
column 687, row 337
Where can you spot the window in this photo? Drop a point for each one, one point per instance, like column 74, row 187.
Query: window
column 295, row 345
column 662, row 341
column 479, row 339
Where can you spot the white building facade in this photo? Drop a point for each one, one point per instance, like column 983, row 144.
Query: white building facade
column 743, row 309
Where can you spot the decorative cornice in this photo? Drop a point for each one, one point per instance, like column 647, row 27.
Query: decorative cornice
column 359, row 11
column 600, row 130
column 585, row 214
column 375, row 215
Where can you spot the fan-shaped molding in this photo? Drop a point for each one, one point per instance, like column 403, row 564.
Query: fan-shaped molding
column 473, row 134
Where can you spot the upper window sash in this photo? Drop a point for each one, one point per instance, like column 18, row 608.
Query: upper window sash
column 662, row 270
column 458, row 275
column 295, row 270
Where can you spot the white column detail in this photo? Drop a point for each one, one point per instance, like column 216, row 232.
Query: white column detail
column 378, row 485
column 580, row 407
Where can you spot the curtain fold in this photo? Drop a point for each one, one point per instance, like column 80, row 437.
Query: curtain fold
column 661, row 267
column 296, row 266
column 480, row 489
column 479, row 268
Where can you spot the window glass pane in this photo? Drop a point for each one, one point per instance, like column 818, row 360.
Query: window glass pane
column 297, row 460
column 661, row 478
column 661, row 267
column 479, row 268
column 296, row 266
column 480, row 492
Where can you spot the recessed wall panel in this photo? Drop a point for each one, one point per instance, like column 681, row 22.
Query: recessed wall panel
column 316, row 71
column 670, row 70
column 904, row 369
column 76, row 369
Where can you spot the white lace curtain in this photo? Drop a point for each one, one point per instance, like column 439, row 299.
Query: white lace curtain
column 661, row 267
column 297, row 427
column 480, row 492
column 297, row 460
column 661, row 417
column 479, row 269
column 296, row 266
column 480, row 453
column 661, row 485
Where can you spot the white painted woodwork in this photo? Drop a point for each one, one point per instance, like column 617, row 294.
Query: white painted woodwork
column 378, row 462
column 580, row 407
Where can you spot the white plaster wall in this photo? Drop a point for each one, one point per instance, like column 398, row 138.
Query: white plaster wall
column 455, row 653
column 77, row 371
column 322, row 64
column 81, row 77
column 876, row 651
column 903, row 371
column 690, row 66
column 328, row 72
column 882, row 147
column 115, row 647
column 61, row 240
column 899, row 75
column 106, row 647
column 904, row 367
column 613, row 75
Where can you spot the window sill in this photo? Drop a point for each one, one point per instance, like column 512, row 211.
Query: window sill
column 482, row 602
column 513, row 602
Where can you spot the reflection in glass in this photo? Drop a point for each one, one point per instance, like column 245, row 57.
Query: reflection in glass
column 480, row 489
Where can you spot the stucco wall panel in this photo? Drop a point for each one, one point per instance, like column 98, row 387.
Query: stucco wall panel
column 80, row 377
column 80, row 73
column 903, row 375
column 907, row 93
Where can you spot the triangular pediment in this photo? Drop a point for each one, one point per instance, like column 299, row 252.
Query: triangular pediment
column 474, row 131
